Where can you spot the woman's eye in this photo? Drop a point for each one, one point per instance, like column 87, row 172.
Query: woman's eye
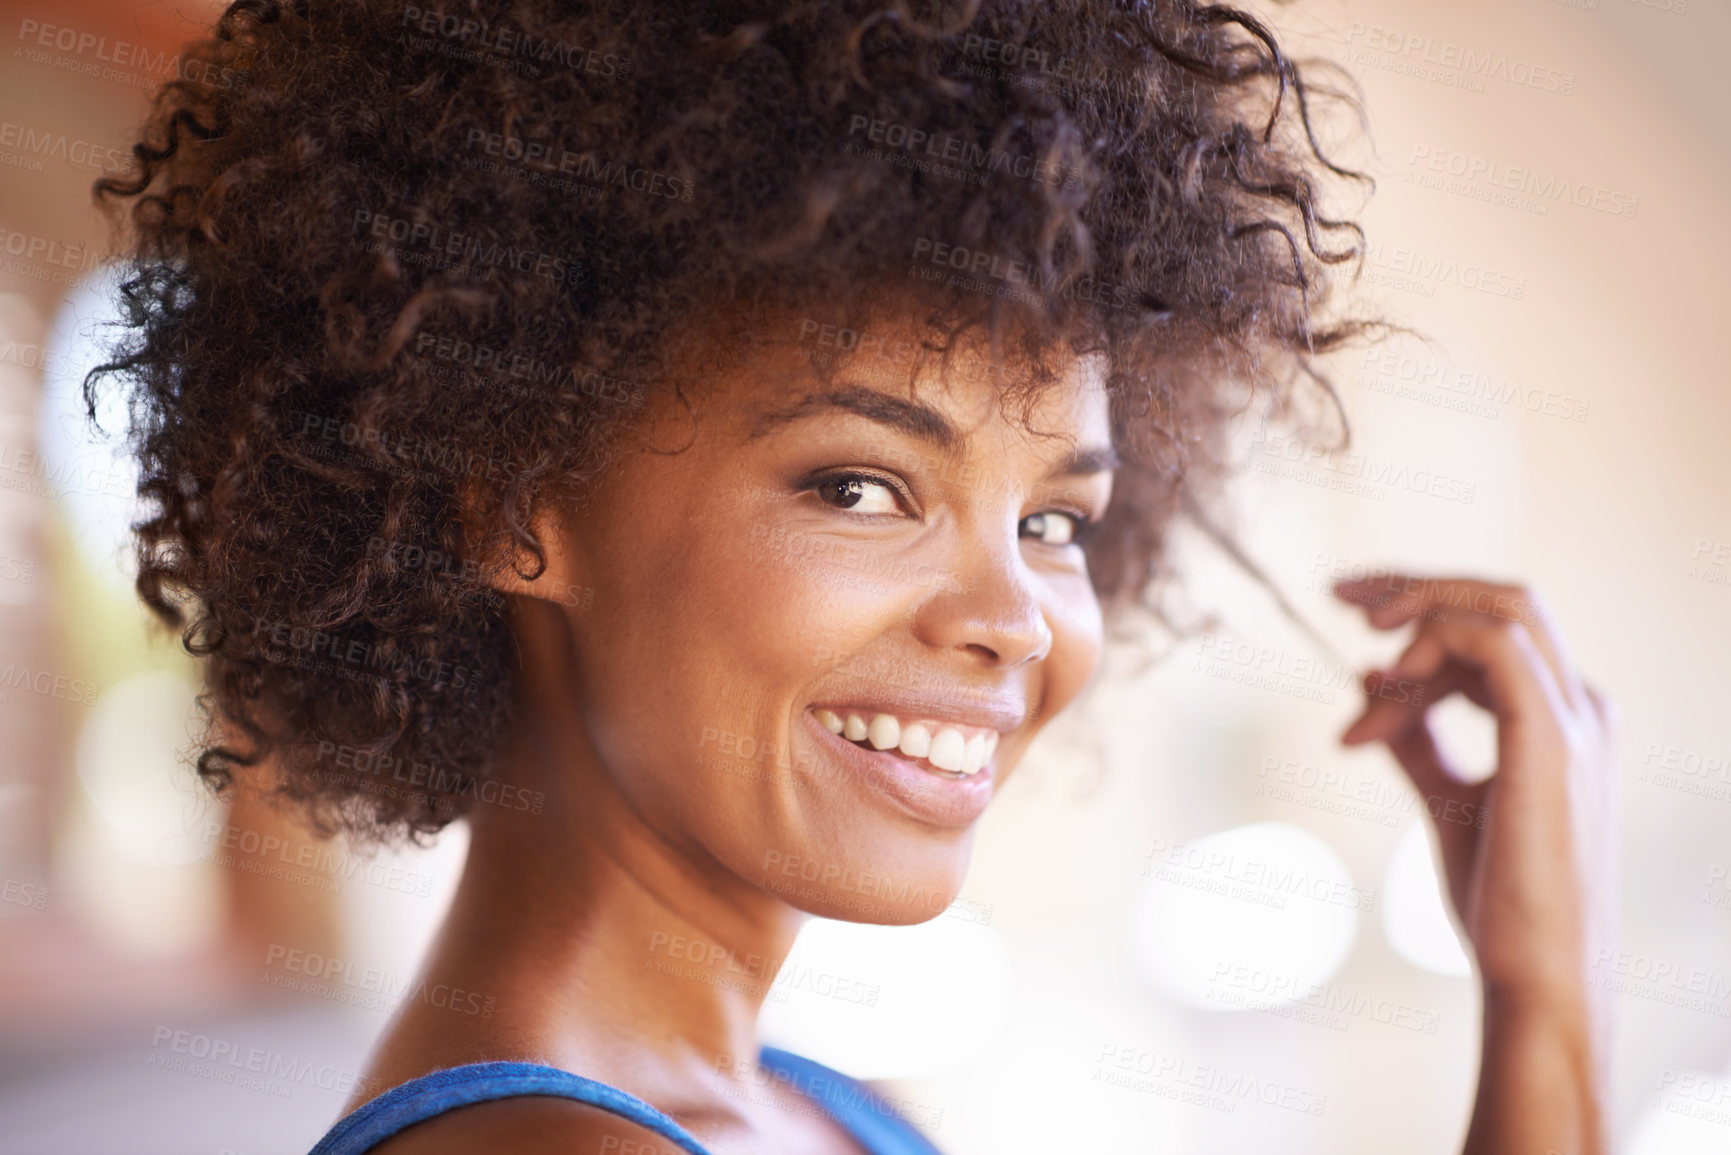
column 859, row 493
column 1054, row 527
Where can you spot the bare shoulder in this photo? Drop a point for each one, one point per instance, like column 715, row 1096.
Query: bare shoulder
column 528, row 1125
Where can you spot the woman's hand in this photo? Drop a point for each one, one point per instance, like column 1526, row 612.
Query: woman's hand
column 1530, row 853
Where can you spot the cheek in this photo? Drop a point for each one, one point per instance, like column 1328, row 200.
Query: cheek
column 1078, row 641
column 704, row 640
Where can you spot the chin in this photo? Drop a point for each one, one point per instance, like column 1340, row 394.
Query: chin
column 894, row 880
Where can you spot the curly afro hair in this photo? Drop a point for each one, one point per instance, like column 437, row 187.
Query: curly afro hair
column 388, row 265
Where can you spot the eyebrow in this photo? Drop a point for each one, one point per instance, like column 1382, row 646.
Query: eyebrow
column 916, row 420
column 910, row 417
column 1094, row 459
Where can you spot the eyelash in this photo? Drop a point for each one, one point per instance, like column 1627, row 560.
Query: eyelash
column 843, row 478
column 1085, row 526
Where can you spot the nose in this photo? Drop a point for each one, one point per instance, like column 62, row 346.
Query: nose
column 990, row 604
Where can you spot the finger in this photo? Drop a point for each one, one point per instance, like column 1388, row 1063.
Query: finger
column 1392, row 600
column 1383, row 598
column 1610, row 716
column 1421, row 677
column 1395, row 705
column 1543, row 627
column 1418, row 753
column 1456, row 808
column 1501, row 665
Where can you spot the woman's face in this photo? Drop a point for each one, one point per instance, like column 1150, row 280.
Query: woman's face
column 862, row 552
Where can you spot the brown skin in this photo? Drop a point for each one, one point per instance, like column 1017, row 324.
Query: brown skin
column 707, row 621
column 1536, row 888
column 705, row 617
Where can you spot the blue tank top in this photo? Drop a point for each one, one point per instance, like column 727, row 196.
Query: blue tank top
column 859, row 1111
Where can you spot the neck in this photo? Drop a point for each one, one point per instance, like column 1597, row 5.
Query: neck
column 596, row 937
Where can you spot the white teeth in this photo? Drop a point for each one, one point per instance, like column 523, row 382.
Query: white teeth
column 884, row 732
column 948, row 750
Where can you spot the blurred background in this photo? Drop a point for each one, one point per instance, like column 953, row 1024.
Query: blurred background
column 1194, row 923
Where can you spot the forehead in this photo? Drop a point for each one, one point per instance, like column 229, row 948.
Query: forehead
column 888, row 374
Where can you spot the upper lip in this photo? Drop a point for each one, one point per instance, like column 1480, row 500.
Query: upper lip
column 991, row 711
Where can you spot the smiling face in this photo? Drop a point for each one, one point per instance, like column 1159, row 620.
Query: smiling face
column 893, row 559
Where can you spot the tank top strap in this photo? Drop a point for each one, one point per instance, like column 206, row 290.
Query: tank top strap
column 862, row 1112
column 421, row 1099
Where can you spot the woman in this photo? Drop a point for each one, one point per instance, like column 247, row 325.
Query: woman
column 730, row 427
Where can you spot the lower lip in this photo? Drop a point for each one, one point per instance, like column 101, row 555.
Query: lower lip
column 947, row 802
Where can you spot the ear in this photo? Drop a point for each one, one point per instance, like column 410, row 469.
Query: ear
column 561, row 582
